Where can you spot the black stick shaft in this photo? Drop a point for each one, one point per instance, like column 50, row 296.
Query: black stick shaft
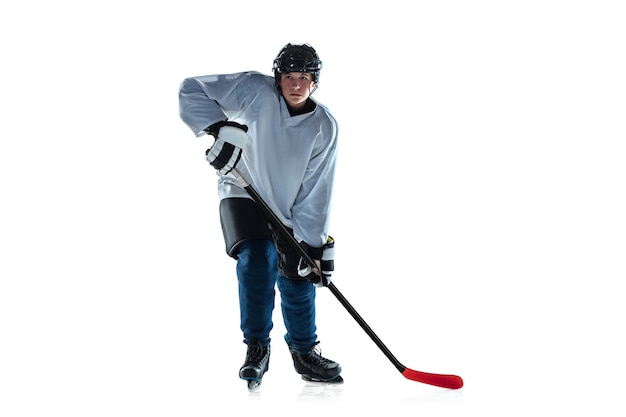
column 365, row 327
column 294, row 243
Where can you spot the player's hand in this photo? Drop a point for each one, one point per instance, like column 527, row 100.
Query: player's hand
column 230, row 138
column 325, row 265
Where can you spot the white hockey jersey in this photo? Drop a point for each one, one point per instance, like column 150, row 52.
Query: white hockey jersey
column 290, row 161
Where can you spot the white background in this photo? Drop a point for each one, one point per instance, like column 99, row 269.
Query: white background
column 479, row 210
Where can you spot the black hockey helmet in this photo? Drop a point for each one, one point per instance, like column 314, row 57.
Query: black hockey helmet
column 297, row 58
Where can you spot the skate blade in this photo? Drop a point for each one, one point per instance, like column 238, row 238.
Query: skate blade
column 336, row 380
column 254, row 384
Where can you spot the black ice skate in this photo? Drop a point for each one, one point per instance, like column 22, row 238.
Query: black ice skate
column 312, row 366
column 256, row 364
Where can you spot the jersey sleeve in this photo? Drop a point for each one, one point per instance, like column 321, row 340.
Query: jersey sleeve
column 208, row 99
column 312, row 208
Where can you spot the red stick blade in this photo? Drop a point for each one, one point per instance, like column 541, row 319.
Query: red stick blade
column 438, row 380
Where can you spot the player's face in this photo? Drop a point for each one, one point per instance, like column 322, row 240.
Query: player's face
column 296, row 88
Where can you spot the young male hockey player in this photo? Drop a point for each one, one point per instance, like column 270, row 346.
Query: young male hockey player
column 284, row 144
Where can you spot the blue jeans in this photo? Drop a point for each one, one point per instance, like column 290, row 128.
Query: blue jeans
column 258, row 276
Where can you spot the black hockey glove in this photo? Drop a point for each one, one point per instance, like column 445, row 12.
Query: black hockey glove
column 324, row 258
column 230, row 138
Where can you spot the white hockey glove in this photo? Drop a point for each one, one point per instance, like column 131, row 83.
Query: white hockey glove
column 325, row 264
column 230, row 138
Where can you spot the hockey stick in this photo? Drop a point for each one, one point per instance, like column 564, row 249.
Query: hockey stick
column 439, row 380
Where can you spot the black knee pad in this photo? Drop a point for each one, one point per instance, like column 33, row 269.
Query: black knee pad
column 242, row 220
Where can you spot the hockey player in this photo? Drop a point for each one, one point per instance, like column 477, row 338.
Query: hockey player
column 284, row 144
